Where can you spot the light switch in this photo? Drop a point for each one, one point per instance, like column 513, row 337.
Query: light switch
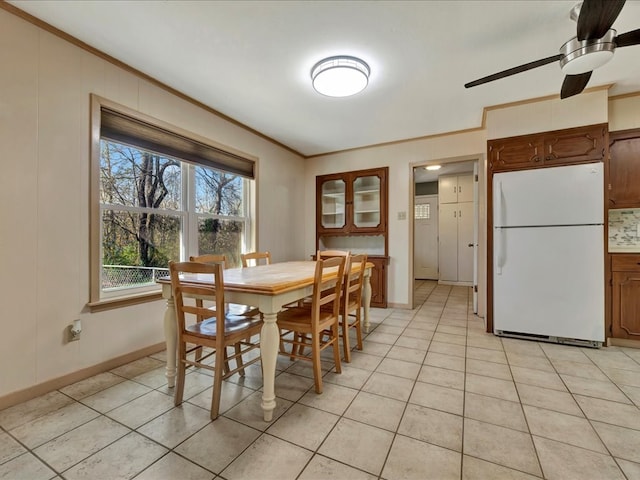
column 402, row 215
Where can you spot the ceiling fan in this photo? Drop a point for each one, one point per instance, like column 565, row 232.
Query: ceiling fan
column 593, row 46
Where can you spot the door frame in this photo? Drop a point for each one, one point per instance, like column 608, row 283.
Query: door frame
column 480, row 227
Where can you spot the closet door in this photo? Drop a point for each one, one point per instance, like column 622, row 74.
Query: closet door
column 448, row 242
column 465, row 242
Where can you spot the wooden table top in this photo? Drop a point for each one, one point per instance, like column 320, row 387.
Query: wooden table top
column 272, row 279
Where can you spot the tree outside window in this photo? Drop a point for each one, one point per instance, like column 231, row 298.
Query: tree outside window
column 155, row 209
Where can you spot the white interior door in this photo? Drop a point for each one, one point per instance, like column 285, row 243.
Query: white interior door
column 425, row 242
column 476, row 223
column 448, row 242
column 465, row 242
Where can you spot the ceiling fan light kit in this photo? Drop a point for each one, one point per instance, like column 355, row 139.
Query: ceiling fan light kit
column 340, row 76
column 592, row 47
column 587, row 55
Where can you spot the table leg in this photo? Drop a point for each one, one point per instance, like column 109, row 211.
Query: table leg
column 366, row 301
column 269, row 342
column 171, row 338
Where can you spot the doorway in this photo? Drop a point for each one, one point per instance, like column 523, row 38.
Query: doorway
column 446, row 249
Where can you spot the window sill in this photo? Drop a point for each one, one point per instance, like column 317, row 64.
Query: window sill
column 120, row 302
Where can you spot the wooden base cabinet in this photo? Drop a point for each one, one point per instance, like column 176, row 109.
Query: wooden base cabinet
column 626, row 296
column 378, row 281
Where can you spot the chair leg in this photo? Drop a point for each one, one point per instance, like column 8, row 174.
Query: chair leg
column 345, row 338
column 358, row 325
column 336, row 347
column 217, row 382
column 182, row 368
column 239, row 364
column 315, row 356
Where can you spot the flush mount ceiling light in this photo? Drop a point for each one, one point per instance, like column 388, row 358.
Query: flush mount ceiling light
column 340, row 76
column 434, row 167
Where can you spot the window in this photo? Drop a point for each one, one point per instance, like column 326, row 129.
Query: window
column 161, row 196
column 422, row 211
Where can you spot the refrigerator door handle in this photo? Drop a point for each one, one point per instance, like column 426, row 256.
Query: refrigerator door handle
column 499, row 242
column 499, row 232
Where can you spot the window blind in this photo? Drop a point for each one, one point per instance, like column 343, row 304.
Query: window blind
column 122, row 128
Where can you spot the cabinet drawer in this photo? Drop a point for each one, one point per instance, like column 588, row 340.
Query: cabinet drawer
column 625, row 263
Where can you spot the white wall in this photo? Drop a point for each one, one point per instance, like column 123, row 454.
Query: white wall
column 399, row 157
column 45, row 83
column 624, row 113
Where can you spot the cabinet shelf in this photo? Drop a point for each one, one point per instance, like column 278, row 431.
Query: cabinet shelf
column 367, row 192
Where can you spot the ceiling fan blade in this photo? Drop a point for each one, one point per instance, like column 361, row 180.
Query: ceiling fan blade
column 628, row 39
column 514, row 70
column 596, row 17
column 574, row 84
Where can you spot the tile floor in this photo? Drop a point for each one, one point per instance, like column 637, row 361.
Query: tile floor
column 431, row 396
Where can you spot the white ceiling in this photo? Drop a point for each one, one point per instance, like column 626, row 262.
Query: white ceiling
column 250, row 60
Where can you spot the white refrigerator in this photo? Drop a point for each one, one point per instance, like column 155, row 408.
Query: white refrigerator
column 548, row 254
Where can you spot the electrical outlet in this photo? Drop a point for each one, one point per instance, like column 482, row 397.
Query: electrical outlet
column 74, row 330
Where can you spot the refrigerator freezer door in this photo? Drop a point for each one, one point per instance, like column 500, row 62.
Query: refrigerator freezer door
column 550, row 281
column 571, row 195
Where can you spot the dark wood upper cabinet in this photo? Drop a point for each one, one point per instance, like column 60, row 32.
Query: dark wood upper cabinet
column 516, row 153
column 352, row 202
column 624, row 169
column 585, row 144
column 559, row 147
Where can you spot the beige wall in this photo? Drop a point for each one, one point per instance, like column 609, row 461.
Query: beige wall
column 591, row 107
column 45, row 84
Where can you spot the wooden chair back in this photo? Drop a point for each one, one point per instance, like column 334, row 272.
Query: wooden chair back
column 255, row 258
column 182, row 291
column 353, row 282
column 209, row 258
column 331, row 253
column 327, row 291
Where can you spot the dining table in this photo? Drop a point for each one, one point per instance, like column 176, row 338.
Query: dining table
column 269, row 288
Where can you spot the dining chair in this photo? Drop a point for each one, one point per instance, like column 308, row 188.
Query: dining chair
column 351, row 298
column 351, row 302
column 231, row 308
column 254, row 258
column 216, row 329
column 309, row 324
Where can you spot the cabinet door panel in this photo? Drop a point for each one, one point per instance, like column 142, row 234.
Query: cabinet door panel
column 626, row 305
column 448, row 242
column 447, row 189
column 624, row 170
column 516, row 153
column 578, row 145
column 465, row 188
column 378, row 282
column 366, row 202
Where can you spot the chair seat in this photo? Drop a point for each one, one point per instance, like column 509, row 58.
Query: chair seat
column 297, row 318
column 232, row 324
column 239, row 310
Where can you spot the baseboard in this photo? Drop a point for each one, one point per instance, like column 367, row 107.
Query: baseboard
column 34, row 391
column 399, row 305
column 623, row 342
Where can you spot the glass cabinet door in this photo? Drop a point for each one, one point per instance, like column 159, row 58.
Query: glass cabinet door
column 333, row 202
column 366, row 201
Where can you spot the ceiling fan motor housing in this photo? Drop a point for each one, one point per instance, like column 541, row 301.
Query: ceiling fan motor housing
column 587, row 55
